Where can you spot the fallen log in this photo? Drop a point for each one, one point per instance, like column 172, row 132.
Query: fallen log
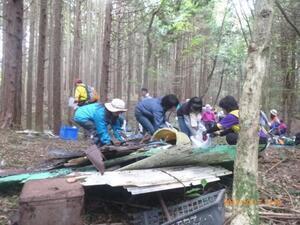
column 58, row 153
column 186, row 155
column 134, row 156
column 116, row 151
column 77, row 162
column 290, row 216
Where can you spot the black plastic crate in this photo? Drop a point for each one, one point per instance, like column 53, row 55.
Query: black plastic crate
column 205, row 210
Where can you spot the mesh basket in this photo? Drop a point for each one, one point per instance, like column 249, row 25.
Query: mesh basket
column 205, row 210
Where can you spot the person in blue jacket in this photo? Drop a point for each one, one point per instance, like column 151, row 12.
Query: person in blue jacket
column 98, row 117
column 150, row 112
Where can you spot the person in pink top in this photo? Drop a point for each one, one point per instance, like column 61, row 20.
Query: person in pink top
column 208, row 116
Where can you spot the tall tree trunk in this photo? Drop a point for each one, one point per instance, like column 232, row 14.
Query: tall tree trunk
column 99, row 49
column 288, row 67
column 76, row 52
column 149, row 46
column 12, row 60
column 30, row 67
column 188, row 80
column 284, row 68
column 201, row 73
column 176, row 83
column 50, row 68
column 57, row 34
column 139, row 62
column 155, row 76
column 39, row 103
column 245, row 195
column 215, row 60
column 25, row 52
column 106, row 52
column 220, row 86
column 119, row 52
column 149, row 53
column 130, row 65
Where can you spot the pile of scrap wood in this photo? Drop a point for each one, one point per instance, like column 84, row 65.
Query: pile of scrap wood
column 61, row 162
column 135, row 158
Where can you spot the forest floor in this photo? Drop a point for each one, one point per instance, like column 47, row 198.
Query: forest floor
column 279, row 182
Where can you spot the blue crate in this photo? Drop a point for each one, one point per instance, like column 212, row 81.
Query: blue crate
column 205, row 210
column 68, row 133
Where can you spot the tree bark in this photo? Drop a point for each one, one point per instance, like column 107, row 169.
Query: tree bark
column 12, row 63
column 29, row 86
column 57, row 34
column 119, row 65
column 149, row 45
column 130, row 71
column 106, row 52
column 288, row 68
column 246, row 163
column 155, row 78
column 210, row 75
column 176, row 83
column 188, row 80
column 185, row 154
column 220, row 86
column 99, row 49
column 39, row 103
column 76, row 52
column 50, row 68
column 149, row 51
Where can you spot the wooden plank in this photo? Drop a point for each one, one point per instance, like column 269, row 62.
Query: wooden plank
column 150, row 177
column 149, row 189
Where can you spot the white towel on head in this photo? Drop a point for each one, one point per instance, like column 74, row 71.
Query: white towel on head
column 194, row 120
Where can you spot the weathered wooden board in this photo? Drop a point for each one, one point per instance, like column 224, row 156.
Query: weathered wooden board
column 149, row 189
column 155, row 177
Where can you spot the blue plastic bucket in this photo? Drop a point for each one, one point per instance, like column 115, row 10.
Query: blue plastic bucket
column 68, row 133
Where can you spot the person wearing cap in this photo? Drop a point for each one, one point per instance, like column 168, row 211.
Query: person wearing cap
column 150, row 112
column 277, row 126
column 81, row 94
column 189, row 116
column 229, row 125
column 275, row 122
column 97, row 118
column 208, row 116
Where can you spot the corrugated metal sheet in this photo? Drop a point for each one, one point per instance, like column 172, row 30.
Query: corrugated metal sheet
column 151, row 180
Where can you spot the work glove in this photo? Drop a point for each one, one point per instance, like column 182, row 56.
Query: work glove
column 204, row 135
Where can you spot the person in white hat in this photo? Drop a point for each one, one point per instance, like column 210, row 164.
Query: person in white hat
column 275, row 122
column 100, row 117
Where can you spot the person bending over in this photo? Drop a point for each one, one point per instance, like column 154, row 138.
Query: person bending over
column 189, row 116
column 98, row 118
column 150, row 112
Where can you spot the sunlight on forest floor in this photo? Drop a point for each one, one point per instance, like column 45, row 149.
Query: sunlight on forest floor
column 278, row 176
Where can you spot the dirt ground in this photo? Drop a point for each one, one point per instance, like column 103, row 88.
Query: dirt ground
column 279, row 183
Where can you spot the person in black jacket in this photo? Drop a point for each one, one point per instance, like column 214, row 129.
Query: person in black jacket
column 189, row 116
